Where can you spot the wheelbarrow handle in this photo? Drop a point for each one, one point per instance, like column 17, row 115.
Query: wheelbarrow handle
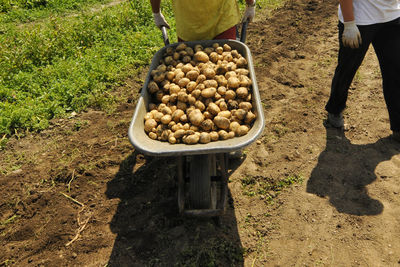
column 165, row 35
column 243, row 33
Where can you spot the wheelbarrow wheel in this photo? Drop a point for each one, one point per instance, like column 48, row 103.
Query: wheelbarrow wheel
column 200, row 182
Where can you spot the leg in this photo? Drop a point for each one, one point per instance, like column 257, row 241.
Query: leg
column 387, row 47
column 349, row 60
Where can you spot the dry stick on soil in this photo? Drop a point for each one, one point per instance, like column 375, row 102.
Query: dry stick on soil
column 81, row 227
column 70, row 181
column 73, row 199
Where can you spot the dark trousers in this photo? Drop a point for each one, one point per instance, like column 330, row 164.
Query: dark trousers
column 385, row 38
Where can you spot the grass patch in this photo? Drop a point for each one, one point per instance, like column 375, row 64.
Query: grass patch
column 267, row 188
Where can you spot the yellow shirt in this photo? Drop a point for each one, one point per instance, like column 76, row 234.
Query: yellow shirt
column 204, row 19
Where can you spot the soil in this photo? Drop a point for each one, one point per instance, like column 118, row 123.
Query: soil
column 304, row 194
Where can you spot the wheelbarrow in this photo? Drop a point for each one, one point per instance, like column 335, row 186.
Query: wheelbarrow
column 202, row 169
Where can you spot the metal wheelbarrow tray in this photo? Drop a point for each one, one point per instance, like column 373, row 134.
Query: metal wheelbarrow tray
column 203, row 156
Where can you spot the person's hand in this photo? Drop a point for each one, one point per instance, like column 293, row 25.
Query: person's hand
column 159, row 20
column 249, row 13
column 351, row 35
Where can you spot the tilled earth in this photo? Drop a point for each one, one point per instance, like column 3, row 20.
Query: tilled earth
column 304, row 194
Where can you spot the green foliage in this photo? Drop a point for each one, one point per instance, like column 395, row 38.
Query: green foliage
column 267, row 187
column 64, row 64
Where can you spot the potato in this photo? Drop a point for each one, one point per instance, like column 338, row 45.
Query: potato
column 183, row 96
column 210, row 83
column 240, row 114
column 201, row 78
column 150, row 124
column 172, row 139
column 168, row 60
column 152, row 87
column 166, row 119
column 186, row 59
column 174, row 89
column 214, row 136
column 207, row 124
column 230, row 95
column 241, row 62
column 230, row 74
column 221, row 90
column 221, row 122
column 181, row 105
column 213, row 108
column 200, row 105
column 234, row 126
column 198, row 47
column 223, row 135
column 208, row 92
column 242, row 130
column 192, row 139
column 204, row 138
column 170, row 75
column 187, row 67
column 233, row 82
column 242, row 92
column 179, row 133
column 231, row 134
column 189, row 51
column 192, row 75
column 191, row 99
column 223, row 106
column 196, row 117
column 191, row 86
column 153, row 135
column 183, row 82
column 242, row 71
column 148, row 116
column 180, row 47
column 183, row 118
column 208, row 115
column 152, row 106
column 208, row 72
column 246, row 106
column 201, row 56
column 219, row 50
column 196, row 93
column 244, row 81
column 221, row 69
column 250, row 117
column 227, row 114
column 221, row 80
column 166, row 110
column 213, row 57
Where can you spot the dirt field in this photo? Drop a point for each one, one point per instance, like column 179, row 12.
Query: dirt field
column 78, row 195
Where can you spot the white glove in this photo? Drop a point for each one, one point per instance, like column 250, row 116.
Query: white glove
column 159, row 20
column 351, row 35
column 250, row 13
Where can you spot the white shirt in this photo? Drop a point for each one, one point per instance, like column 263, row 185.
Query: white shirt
column 368, row 12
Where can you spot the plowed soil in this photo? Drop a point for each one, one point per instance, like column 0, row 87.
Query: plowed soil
column 304, row 194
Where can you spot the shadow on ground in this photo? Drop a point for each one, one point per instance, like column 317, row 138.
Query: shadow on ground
column 149, row 230
column 345, row 169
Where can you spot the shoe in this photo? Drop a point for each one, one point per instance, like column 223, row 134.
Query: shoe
column 396, row 136
column 336, row 120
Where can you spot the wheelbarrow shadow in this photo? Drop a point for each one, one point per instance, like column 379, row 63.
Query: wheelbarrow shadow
column 151, row 232
column 345, row 169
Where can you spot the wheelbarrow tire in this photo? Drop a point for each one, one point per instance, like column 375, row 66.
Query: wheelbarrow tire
column 200, row 182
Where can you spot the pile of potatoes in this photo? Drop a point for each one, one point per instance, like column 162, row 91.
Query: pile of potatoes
column 199, row 95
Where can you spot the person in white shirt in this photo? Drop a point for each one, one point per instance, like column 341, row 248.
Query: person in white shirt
column 361, row 23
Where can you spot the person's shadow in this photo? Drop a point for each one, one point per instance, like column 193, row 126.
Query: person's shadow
column 151, row 232
column 345, row 169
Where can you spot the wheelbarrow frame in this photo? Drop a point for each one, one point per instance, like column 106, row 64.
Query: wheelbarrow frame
column 216, row 152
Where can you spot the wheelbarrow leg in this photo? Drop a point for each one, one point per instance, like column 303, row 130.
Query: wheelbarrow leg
column 200, row 182
column 222, row 158
column 181, row 185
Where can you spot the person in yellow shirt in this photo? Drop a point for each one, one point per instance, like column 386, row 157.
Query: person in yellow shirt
column 204, row 20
